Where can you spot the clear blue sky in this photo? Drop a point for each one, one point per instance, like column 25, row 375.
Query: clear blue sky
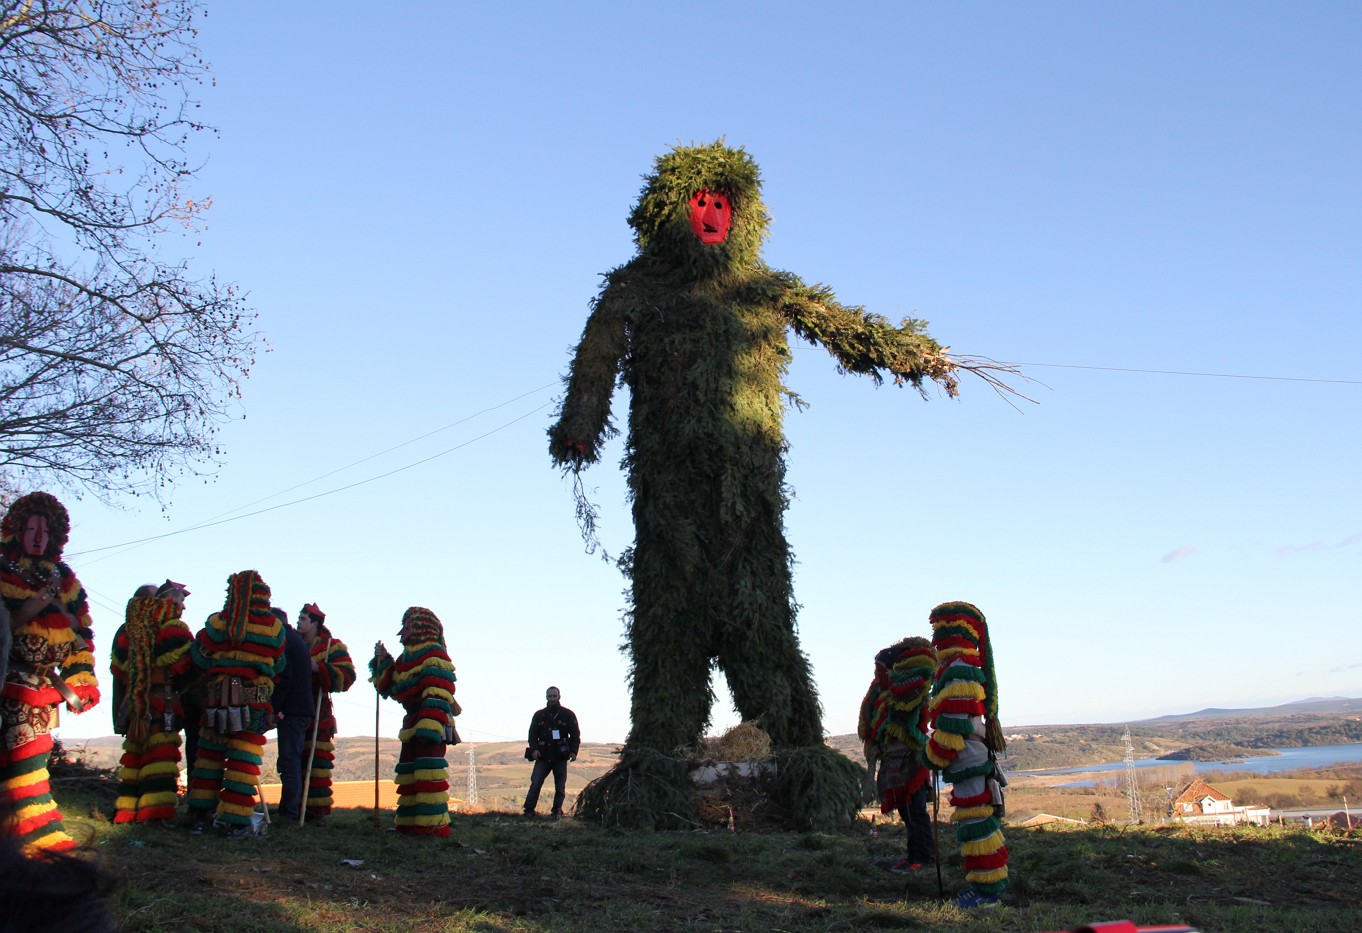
column 420, row 200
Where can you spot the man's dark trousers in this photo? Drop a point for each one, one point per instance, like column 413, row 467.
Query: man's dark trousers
column 292, row 733
column 542, row 767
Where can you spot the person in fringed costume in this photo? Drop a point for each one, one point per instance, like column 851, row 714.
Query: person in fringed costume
column 240, row 651
column 51, row 661
column 893, row 727
column 422, row 680
column 965, row 742
column 149, row 661
column 332, row 672
column 696, row 326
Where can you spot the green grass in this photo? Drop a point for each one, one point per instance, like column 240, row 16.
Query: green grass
column 501, row 873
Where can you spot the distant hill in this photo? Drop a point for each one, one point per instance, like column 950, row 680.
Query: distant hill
column 1315, row 721
column 1312, row 705
column 503, row 773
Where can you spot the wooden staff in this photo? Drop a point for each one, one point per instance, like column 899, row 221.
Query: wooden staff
column 312, row 750
column 936, row 836
column 378, row 698
column 379, row 651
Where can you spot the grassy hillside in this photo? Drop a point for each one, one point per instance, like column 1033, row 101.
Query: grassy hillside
column 501, row 873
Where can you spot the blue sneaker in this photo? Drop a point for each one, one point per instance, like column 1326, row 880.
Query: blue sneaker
column 970, row 899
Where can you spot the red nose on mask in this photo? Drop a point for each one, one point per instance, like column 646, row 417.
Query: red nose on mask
column 710, row 216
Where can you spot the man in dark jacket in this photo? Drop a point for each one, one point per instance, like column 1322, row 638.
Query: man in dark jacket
column 554, row 739
column 292, row 712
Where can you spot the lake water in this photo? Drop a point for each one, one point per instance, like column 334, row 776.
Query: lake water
column 1286, row 759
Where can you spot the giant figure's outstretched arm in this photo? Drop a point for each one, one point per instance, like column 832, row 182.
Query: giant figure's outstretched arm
column 584, row 416
column 862, row 342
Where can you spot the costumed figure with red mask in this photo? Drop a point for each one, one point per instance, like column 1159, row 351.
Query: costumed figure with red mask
column 696, row 326
column 51, row 661
column 240, row 652
column 422, row 679
column 965, row 742
column 332, row 672
column 150, row 661
column 893, row 728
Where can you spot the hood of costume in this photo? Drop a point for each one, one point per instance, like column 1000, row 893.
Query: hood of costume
column 421, row 678
column 245, row 639
column 965, row 684
column 150, row 649
column 48, row 641
column 895, row 707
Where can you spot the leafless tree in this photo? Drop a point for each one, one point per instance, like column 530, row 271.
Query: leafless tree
column 117, row 366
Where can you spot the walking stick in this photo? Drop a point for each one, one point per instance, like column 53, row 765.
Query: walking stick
column 312, row 749
column 936, row 834
column 378, row 698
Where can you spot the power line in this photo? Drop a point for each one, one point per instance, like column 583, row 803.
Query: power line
column 320, row 495
column 1179, row 372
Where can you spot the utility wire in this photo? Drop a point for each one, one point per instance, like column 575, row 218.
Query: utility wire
column 1178, row 372
column 222, row 518
column 320, row 495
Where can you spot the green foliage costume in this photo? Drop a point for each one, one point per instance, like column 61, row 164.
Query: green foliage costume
column 695, row 325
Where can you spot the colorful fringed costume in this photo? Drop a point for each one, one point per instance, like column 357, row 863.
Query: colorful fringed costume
column 422, row 680
column 966, row 738
column 150, row 658
column 51, row 660
column 333, row 672
column 893, row 727
column 893, row 721
column 695, row 325
column 240, row 651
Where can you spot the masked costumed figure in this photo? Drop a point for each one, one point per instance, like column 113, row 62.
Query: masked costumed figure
column 150, row 660
column 696, row 326
column 332, row 672
column 893, row 725
column 240, row 652
column 966, row 740
column 51, row 661
column 422, row 680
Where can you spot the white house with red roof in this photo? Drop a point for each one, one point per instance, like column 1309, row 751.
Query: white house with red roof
column 1202, row 803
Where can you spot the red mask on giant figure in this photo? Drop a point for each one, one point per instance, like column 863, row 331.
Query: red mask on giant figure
column 710, row 215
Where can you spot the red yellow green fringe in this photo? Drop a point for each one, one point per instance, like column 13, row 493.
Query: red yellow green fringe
column 422, row 680
column 965, row 704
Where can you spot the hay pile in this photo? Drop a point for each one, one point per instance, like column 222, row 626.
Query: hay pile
column 733, row 773
column 744, row 742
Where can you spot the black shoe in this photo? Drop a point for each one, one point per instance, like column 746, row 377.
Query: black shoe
column 530, row 814
column 241, row 832
column 199, row 826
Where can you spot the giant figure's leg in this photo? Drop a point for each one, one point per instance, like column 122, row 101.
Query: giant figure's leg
column 670, row 680
column 758, row 648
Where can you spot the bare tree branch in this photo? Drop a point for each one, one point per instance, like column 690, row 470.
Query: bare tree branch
column 116, row 366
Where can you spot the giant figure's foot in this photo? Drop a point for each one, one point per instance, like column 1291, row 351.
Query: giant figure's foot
column 817, row 787
column 646, row 790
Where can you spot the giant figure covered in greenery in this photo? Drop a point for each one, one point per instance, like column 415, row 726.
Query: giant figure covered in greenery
column 696, row 326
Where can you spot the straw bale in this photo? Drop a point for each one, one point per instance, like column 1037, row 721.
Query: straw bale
column 744, row 742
